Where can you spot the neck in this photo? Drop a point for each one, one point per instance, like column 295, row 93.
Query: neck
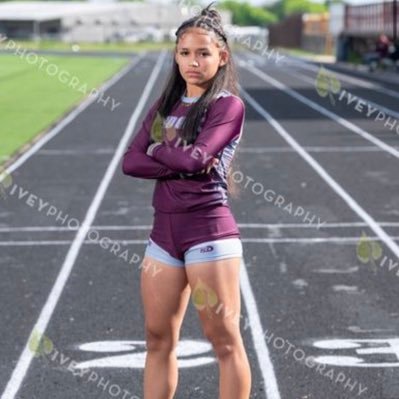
column 193, row 94
column 194, row 91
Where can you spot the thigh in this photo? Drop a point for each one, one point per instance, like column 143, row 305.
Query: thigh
column 165, row 295
column 215, row 287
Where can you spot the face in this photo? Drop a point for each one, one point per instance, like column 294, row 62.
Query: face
column 197, row 51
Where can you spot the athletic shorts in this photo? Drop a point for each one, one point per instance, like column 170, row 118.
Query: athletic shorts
column 182, row 238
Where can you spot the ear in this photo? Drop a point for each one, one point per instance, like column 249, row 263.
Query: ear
column 224, row 57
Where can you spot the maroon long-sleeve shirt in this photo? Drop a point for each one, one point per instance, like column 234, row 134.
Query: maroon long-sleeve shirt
column 219, row 135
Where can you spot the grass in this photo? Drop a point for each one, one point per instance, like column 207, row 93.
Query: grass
column 106, row 47
column 31, row 100
column 117, row 46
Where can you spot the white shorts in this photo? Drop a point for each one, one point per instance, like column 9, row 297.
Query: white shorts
column 206, row 251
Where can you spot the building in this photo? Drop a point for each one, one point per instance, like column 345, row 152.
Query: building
column 357, row 27
column 305, row 31
column 92, row 22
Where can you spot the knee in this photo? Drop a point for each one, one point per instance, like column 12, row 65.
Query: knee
column 158, row 340
column 224, row 341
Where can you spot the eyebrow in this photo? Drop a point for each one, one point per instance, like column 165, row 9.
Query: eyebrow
column 202, row 48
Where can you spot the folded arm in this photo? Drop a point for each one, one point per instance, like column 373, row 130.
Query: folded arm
column 137, row 163
column 223, row 124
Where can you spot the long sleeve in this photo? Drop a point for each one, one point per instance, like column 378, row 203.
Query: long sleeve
column 136, row 162
column 223, row 123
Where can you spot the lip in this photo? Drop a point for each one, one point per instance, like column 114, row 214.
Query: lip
column 192, row 73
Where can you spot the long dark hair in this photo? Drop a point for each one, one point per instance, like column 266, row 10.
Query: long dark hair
column 226, row 78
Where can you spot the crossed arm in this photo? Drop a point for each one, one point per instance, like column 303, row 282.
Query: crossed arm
column 160, row 160
column 137, row 163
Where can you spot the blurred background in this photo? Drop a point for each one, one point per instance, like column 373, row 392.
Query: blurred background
column 361, row 34
column 358, row 33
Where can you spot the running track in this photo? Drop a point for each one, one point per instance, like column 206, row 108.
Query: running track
column 316, row 176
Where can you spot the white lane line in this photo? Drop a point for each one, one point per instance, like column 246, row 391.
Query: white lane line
column 292, row 61
column 26, row 357
column 261, row 150
column 349, row 79
column 33, row 244
column 304, row 226
column 63, row 242
column 98, row 151
column 70, row 117
column 343, row 122
column 337, row 240
column 240, row 225
column 379, row 107
column 324, row 175
column 311, row 240
column 261, row 350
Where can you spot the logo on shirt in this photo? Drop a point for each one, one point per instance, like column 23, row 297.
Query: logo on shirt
column 208, row 248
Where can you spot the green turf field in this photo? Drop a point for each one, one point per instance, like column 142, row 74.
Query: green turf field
column 31, row 100
column 95, row 47
column 82, row 46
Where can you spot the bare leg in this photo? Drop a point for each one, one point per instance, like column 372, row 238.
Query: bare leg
column 219, row 306
column 165, row 295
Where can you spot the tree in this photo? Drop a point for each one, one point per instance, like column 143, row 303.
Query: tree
column 283, row 8
column 244, row 14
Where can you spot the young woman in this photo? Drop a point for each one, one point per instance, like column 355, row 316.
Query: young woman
column 187, row 142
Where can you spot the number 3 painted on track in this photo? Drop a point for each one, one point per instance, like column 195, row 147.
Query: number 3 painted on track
column 370, row 352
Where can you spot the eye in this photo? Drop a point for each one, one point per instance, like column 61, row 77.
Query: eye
column 205, row 54
column 183, row 52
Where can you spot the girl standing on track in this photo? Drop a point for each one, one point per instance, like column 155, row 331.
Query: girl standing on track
column 187, row 142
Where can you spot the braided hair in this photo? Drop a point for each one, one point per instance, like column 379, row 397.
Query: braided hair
column 225, row 78
column 209, row 19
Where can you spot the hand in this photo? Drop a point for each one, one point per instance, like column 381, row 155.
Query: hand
column 206, row 170
column 213, row 163
column 170, row 133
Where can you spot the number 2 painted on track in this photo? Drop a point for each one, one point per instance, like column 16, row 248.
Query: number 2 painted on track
column 131, row 354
